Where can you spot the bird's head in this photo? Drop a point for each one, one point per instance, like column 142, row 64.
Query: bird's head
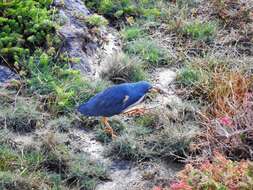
column 146, row 87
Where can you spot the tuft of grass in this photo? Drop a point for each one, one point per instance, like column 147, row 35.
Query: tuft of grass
column 148, row 50
column 62, row 124
column 124, row 147
column 21, row 116
column 200, row 31
column 188, row 76
column 122, row 68
column 85, row 177
column 132, row 33
column 96, row 20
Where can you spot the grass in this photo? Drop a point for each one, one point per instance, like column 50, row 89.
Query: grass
column 118, row 128
column 132, row 33
column 161, row 134
column 200, row 31
column 148, row 50
column 51, row 165
column 21, row 115
column 123, row 68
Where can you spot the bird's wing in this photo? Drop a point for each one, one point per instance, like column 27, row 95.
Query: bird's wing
column 117, row 101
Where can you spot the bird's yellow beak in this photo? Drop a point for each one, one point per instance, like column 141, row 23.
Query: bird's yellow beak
column 155, row 89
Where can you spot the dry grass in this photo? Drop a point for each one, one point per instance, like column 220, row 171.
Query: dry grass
column 122, row 68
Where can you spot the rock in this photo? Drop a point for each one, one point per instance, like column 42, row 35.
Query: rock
column 6, row 74
column 74, row 31
column 88, row 46
column 166, row 77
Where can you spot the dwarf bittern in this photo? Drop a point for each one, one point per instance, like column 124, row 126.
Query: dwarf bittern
column 116, row 100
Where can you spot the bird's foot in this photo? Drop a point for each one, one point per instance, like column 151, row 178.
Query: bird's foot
column 110, row 131
column 135, row 112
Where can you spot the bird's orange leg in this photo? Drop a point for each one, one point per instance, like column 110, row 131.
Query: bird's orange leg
column 136, row 111
column 108, row 128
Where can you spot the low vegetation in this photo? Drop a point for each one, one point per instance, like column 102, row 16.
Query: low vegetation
column 148, row 50
column 208, row 42
column 221, row 173
column 50, row 166
column 25, row 26
column 122, row 68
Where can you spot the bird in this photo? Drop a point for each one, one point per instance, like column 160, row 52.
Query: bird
column 116, row 100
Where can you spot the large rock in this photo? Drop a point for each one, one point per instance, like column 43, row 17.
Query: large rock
column 79, row 40
column 73, row 31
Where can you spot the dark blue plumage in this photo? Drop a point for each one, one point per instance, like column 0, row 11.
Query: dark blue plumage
column 115, row 99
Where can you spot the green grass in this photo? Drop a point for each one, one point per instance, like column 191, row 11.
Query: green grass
column 200, row 30
column 148, row 50
column 132, row 33
column 188, row 76
column 51, row 165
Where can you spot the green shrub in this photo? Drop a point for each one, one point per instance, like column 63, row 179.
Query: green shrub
column 121, row 68
column 148, row 51
column 121, row 8
column 96, row 20
column 200, row 31
column 25, row 26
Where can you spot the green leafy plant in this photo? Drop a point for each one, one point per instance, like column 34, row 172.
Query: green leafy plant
column 25, row 26
column 121, row 8
column 96, row 20
column 62, row 87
